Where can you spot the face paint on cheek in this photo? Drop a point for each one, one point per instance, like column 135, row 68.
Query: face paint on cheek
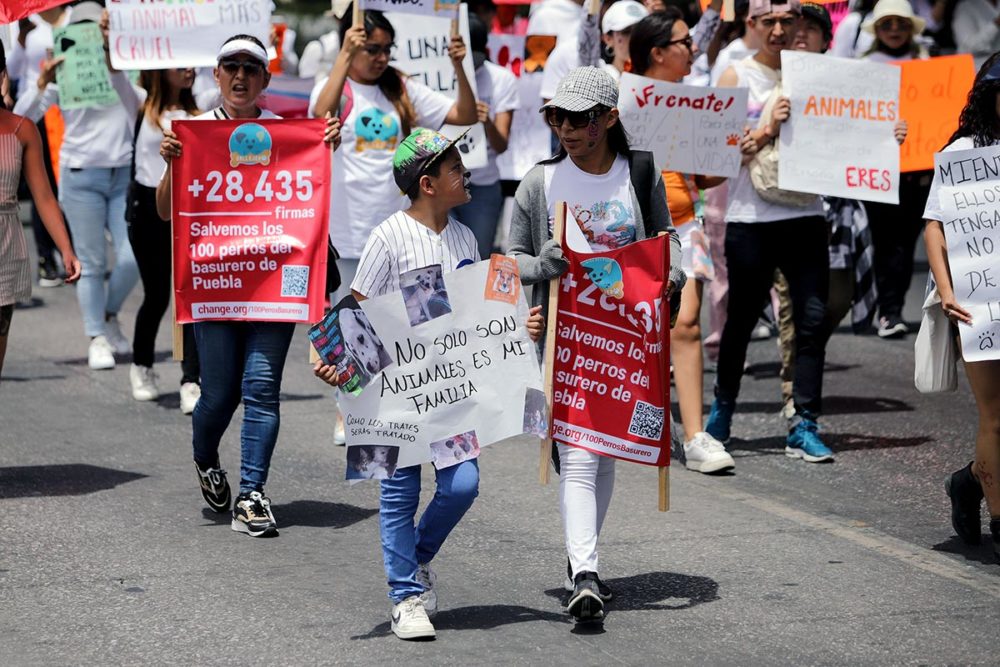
column 592, row 132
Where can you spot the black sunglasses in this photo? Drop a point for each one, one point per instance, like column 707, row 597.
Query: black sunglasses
column 374, row 49
column 251, row 67
column 688, row 42
column 555, row 116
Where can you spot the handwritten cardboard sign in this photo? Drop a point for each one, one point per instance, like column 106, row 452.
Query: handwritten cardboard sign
column 970, row 200
column 447, row 9
column 422, row 52
column 156, row 34
column 932, row 94
column 83, row 77
column 839, row 138
column 692, row 129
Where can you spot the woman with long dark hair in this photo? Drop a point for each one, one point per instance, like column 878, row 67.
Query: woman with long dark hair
column 978, row 126
column 592, row 172
column 168, row 98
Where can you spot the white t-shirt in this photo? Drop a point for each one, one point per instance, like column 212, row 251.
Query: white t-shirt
column 498, row 88
column 149, row 164
column 731, row 53
column 319, row 55
column 363, row 191
column 745, row 205
column 849, row 40
column 563, row 59
column 36, row 44
column 400, row 244
column 975, row 29
column 602, row 204
column 556, row 17
column 933, row 209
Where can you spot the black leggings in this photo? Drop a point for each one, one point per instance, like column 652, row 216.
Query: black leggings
column 151, row 241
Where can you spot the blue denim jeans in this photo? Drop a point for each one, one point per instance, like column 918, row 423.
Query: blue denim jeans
column 404, row 545
column 240, row 360
column 94, row 200
column 482, row 215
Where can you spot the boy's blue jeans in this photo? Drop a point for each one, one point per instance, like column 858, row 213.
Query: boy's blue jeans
column 405, row 545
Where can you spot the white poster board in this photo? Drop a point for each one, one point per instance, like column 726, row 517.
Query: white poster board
column 422, row 52
column 159, row 34
column 691, row 129
column 839, row 139
column 471, row 370
column 530, row 138
column 446, row 9
column 970, row 200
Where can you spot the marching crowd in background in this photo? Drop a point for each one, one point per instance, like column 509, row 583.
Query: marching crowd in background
column 789, row 262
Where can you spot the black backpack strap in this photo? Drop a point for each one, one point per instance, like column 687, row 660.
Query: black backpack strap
column 643, row 175
column 135, row 139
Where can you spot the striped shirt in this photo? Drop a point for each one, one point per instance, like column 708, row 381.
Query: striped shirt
column 400, row 244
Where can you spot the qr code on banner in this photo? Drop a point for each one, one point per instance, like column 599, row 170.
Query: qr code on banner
column 294, row 280
column 647, row 421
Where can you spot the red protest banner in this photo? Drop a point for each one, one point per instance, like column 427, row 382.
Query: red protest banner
column 250, row 208
column 610, row 388
column 15, row 10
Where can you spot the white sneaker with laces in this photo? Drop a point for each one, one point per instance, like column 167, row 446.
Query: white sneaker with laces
column 429, row 598
column 706, row 454
column 100, row 355
column 410, row 621
column 143, row 380
column 113, row 332
column 190, row 393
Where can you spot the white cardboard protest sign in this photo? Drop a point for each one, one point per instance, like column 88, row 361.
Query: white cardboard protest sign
column 970, row 200
column 471, row 370
column 839, row 139
column 440, row 8
column 422, row 52
column 691, row 129
column 530, row 138
column 159, row 34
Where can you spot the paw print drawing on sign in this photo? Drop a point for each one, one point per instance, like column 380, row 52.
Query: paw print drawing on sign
column 733, row 140
column 466, row 144
column 986, row 340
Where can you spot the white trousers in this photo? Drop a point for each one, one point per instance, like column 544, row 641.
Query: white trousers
column 586, row 482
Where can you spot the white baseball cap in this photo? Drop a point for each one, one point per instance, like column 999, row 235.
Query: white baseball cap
column 623, row 14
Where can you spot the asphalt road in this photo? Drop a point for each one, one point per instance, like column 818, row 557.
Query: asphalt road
column 107, row 555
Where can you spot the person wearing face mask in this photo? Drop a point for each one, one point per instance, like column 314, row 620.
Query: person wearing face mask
column 378, row 106
column 618, row 198
column 240, row 361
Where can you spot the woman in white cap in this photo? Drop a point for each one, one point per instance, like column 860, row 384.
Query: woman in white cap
column 240, row 361
column 618, row 197
column 616, row 30
column 895, row 228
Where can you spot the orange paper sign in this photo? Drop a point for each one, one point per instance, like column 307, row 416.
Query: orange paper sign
column 932, row 94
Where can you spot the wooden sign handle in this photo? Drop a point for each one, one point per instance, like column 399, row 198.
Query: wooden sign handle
column 357, row 15
column 545, row 453
column 664, row 485
column 455, row 32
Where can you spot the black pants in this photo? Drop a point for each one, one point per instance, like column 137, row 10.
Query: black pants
column 44, row 244
column 151, row 242
column 895, row 230
column 799, row 247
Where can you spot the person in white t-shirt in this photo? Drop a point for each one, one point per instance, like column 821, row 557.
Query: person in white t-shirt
column 556, row 17
column 429, row 169
column 967, row 487
column 241, row 362
column 498, row 99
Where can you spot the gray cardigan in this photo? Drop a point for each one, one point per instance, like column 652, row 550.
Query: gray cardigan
column 529, row 230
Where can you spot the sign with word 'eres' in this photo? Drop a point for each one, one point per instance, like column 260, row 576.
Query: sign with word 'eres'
column 83, row 77
column 839, row 138
column 159, row 34
column 250, row 208
column 422, row 52
column 610, row 383
column 459, row 370
column 932, row 94
column 447, row 9
column 691, row 129
column 969, row 198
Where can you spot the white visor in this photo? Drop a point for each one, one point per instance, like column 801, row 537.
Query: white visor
column 243, row 46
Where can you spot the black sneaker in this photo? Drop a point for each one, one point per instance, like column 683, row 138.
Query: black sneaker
column 892, row 326
column 214, row 487
column 966, row 495
column 995, row 531
column 602, row 588
column 48, row 273
column 252, row 515
column 585, row 604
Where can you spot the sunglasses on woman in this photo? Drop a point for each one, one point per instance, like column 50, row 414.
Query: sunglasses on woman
column 250, row 67
column 555, row 116
column 375, row 49
column 894, row 24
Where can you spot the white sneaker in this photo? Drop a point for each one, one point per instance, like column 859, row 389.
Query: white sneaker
column 706, row 454
column 409, row 620
column 143, row 380
column 100, row 356
column 113, row 332
column 339, row 435
column 429, row 598
column 190, row 393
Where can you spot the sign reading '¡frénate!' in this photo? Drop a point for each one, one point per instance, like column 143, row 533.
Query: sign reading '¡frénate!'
column 250, row 209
